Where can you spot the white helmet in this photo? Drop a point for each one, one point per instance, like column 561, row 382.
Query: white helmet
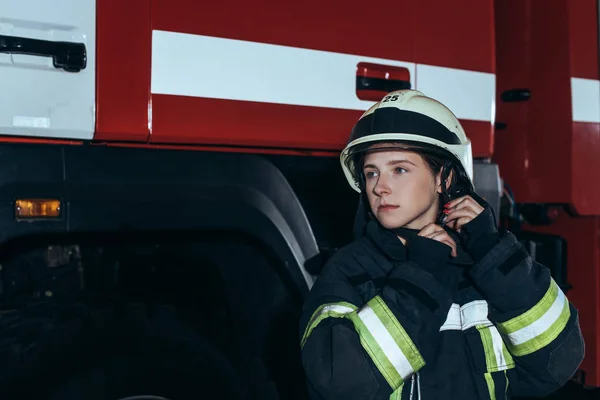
column 409, row 120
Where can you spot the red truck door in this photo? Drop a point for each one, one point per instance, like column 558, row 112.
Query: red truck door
column 278, row 75
column 285, row 74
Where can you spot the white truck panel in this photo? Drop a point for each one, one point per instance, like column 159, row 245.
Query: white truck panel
column 37, row 99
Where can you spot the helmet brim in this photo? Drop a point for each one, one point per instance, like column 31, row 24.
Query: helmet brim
column 461, row 154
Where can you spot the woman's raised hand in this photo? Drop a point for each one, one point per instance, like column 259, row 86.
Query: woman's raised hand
column 461, row 211
column 436, row 232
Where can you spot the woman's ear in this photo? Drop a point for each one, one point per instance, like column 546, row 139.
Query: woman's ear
column 447, row 181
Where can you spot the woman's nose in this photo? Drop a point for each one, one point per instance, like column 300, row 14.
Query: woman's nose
column 381, row 187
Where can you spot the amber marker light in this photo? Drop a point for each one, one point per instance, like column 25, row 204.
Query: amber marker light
column 37, row 208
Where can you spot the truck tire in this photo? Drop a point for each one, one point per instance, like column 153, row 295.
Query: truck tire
column 82, row 351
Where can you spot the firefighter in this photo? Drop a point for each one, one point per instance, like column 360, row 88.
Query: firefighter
column 432, row 300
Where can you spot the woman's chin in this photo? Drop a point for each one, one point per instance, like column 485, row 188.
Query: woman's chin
column 389, row 222
column 395, row 222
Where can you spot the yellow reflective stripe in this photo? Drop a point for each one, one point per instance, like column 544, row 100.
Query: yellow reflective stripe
column 544, row 338
column 540, row 325
column 400, row 336
column 486, row 339
column 381, row 335
column 381, row 361
column 497, row 357
column 386, row 342
column 330, row 310
column 490, row 384
column 397, row 394
column 533, row 314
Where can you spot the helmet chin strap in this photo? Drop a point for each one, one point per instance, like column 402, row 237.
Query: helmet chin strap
column 362, row 217
column 461, row 187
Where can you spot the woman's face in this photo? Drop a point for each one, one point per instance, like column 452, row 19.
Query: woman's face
column 402, row 190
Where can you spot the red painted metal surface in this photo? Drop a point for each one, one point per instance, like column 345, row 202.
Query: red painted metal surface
column 543, row 155
column 459, row 34
column 123, row 70
column 534, row 151
column 586, row 168
column 455, row 34
column 197, row 120
column 481, row 135
column 337, row 27
column 583, row 20
column 340, row 26
column 583, row 258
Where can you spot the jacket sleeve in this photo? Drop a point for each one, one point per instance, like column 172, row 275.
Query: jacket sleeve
column 362, row 340
column 536, row 321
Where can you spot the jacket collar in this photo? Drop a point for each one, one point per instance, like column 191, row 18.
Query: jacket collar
column 387, row 242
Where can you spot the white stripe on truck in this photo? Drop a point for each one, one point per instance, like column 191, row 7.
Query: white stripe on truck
column 585, row 95
column 204, row 66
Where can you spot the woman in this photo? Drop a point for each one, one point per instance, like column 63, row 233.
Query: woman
column 431, row 301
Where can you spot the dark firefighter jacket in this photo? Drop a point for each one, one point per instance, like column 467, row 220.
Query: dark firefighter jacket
column 389, row 321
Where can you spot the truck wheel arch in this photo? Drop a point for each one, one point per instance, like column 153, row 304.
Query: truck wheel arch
column 117, row 188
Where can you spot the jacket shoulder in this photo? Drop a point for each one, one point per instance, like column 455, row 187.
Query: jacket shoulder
column 357, row 258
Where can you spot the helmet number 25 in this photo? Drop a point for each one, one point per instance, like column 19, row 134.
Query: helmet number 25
column 390, row 98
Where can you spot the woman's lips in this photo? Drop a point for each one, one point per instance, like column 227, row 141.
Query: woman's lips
column 387, row 207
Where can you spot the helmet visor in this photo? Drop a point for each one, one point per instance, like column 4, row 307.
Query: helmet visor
column 359, row 151
column 356, row 155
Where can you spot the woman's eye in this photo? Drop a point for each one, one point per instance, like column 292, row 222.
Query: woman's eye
column 370, row 174
column 400, row 170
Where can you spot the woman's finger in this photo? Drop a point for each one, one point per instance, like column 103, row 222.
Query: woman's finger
column 440, row 236
column 464, row 202
column 458, row 202
column 435, row 235
column 468, row 203
column 452, row 224
column 453, row 203
column 459, row 223
column 460, row 213
column 452, row 245
column 429, row 229
column 457, row 219
column 463, row 212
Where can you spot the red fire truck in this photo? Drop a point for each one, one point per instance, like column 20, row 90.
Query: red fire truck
column 170, row 183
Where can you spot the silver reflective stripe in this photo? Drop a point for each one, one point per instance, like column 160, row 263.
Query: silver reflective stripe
column 453, row 320
column 331, row 310
column 538, row 326
column 474, row 313
column 336, row 308
column 498, row 348
column 466, row 316
column 542, row 324
column 497, row 357
column 386, row 342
